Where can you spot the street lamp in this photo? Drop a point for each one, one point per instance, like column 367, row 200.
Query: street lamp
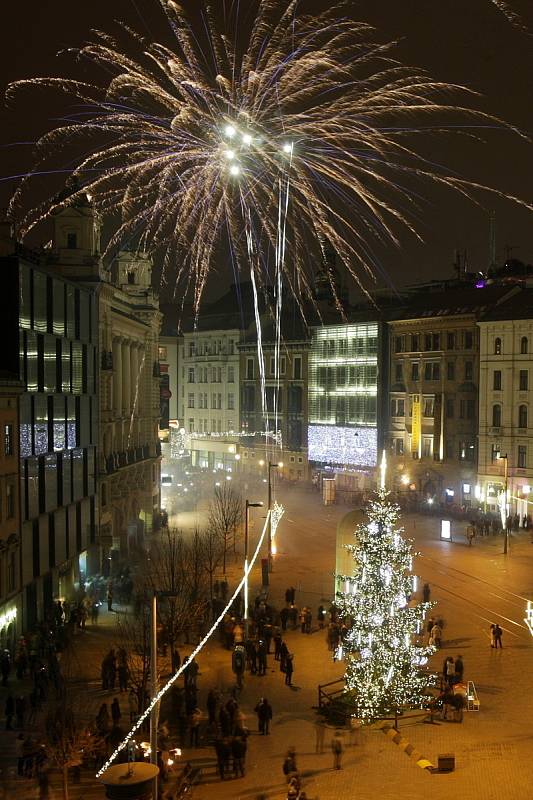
column 505, row 509
column 248, row 505
column 271, row 465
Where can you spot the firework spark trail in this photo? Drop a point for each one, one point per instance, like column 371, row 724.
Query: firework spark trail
column 179, row 134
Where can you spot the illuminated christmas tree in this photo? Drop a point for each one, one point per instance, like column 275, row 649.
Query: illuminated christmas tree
column 385, row 668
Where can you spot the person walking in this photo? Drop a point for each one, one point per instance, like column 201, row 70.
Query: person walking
column 497, row 636
column 102, row 720
column 308, row 620
column 450, row 671
column 426, row 593
column 264, row 714
column 293, row 616
column 283, row 653
column 289, row 764
column 320, row 730
column 459, row 669
column 303, row 613
column 262, row 657
column 133, row 705
column 435, row 637
column 337, row 749
column 194, row 727
column 110, row 598
column 238, row 752
column 212, row 703
column 289, row 669
column 321, row 616
column 277, row 645
column 5, row 666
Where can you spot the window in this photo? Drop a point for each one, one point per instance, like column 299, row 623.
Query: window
column 190, row 378
column 398, row 407
column 398, row 344
column 523, row 345
column 72, row 241
column 497, row 379
column 213, row 400
column 415, row 372
column 450, row 341
column 190, row 403
column 522, row 416
column 469, row 340
column 522, row 456
column 200, row 400
column 398, row 447
column 219, row 400
column 450, row 408
column 191, row 349
column 495, row 451
column 231, row 374
column 522, row 380
column 8, row 439
column 282, row 365
column 162, row 353
column 432, row 371
column 249, row 369
column 231, row 401
column 435, row 341
column 466, row 451
column 272, row 365
column 496, row 415
column 415, row 343
column 466, row 409
column 297, row 368
column 450, row 371
column 10, row 501
column 428, row 407
column 427, row 341
column 341, row 376
column 398, row 372
column 497, row 346
column 427, row 447
column 469, row 370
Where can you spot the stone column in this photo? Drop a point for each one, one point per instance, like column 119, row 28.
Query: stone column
column 126, row 396
column 117, row 377
column 135, row 378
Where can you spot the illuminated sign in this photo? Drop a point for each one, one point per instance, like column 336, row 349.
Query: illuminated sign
column 446, row 530
column 528, row 619
column 416, row 429
column 335, row 444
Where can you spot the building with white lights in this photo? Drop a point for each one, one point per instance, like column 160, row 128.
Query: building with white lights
column 128, row 373
column 168, row 392
column 10, row 594
column 433, row 396
column 345, row 391
column 50, row 338
column 506, row 405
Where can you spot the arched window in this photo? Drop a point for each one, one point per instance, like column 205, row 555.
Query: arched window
column 523, row 345
column 497, row 346
column 496, row 415
column 522, row 416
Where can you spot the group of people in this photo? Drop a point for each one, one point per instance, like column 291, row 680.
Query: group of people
column 115, row 668
column 434, row 628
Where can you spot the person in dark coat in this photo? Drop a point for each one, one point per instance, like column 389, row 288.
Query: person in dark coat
column 5, row 666
column 321, row 616
column 277, row 645
column 264, row 714
column 238, row 751
column 115, row 712
column 284, row 616
column 426, row 593
column 289, row 669
column 262, row 657
column 283, row 653
column 212, row 703
column 497, row 636
column 222, row 757
column 9, row 712
column 459, row 669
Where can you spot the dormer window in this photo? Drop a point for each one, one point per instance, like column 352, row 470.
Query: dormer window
column 72, row 241
column 131, row 278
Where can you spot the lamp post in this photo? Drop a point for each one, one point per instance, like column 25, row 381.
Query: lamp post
column 248, row 505
column 505, row 509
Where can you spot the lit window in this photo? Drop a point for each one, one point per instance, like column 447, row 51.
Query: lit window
column 497, row 346
column 523, row 345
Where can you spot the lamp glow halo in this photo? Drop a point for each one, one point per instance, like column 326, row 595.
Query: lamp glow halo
column 155, row 700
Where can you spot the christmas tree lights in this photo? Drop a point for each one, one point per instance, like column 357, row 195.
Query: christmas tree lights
column 386, row 670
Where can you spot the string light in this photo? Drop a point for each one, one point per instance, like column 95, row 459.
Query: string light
column 155, row 700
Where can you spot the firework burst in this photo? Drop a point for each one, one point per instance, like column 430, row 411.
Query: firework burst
column 200, row 145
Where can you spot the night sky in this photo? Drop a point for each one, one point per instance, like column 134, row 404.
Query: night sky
column 462, row 41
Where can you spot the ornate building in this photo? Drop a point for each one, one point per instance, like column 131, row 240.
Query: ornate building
column 128, row 474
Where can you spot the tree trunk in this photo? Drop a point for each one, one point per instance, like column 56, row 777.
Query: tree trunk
column 65, row 782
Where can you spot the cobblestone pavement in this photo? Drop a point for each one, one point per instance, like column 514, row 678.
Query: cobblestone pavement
column 473, row 587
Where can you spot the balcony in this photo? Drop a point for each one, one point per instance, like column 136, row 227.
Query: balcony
column 125, row 458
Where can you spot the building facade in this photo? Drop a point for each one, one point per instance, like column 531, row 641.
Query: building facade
column 50, row 344
column 275, row 428
column 433, row 398
column 128, row 374
column 168, row 393
column 506, row 406
column 10, row 594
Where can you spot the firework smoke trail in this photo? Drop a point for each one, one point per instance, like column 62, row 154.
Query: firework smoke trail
column 182, row 133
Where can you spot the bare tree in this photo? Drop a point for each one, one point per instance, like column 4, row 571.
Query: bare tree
column 69, row 736
column 177, row 571
column 212, row 549
column 134, row 636
column 226, row 512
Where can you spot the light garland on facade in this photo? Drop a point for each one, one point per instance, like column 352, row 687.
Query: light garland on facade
column 155, row 700
column 385, row 668
column 343, row 445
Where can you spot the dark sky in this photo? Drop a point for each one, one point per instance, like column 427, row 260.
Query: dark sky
column 463, row 41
